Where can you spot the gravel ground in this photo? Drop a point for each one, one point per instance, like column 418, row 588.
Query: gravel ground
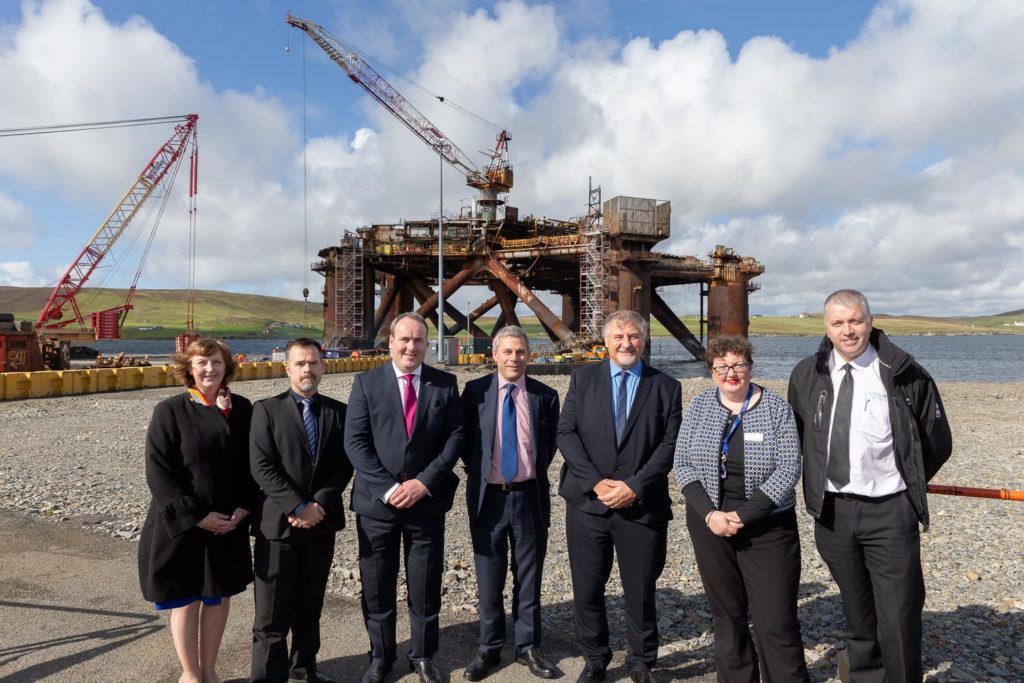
column 78, row 460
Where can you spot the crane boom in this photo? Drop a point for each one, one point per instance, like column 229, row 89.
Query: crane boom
column 498, row 175
column 113, row 227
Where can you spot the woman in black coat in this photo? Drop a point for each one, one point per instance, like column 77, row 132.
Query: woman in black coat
column 194, row 551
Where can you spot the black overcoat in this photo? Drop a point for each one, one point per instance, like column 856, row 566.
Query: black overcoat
column 197, row 462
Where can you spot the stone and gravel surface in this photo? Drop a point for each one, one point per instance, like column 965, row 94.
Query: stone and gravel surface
column 79, row 460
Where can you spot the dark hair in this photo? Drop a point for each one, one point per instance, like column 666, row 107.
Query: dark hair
column 204, row 346
column 302, row 341
column 729, row 343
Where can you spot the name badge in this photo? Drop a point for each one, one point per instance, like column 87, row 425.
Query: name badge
column 756, row 437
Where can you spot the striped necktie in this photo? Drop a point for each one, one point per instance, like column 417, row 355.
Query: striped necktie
column 309, row 420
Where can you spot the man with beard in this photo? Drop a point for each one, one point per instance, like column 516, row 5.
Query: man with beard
column 299, row 462
column 404, row 436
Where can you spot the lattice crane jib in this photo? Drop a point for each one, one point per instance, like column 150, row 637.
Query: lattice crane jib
column 159, row 171
column 498, row 175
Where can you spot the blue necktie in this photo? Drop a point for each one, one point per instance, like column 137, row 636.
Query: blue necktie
column 509, row 437
column 620, row 408
column 309, row 420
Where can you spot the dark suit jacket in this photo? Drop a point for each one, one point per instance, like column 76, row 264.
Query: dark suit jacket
column 586, row 437
column 283, row 466
column 480, row 413
column 376, row 442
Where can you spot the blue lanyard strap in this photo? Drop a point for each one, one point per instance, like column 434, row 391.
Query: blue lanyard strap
column 732, row 428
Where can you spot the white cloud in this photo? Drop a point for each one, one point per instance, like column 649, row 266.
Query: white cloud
column 20, row 274
column 18, row 227
column 894, row 163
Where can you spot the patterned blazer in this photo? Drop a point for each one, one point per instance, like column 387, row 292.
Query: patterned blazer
column 771, row 464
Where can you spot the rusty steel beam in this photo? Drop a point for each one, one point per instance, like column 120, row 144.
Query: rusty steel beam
column 526, row 295
column 423, row 293
column 452, row 284
column 676, row 327
column 387, row 299
column 508, row 304
column 498, row 324
column 461, row 321
column 484, row 307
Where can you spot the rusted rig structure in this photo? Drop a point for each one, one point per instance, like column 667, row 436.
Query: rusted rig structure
column 597, row 263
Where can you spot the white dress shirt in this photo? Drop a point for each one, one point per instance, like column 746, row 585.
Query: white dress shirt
column 873, row 469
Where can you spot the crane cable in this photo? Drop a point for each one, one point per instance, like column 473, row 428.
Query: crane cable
column 96, row 125
column 398, row 74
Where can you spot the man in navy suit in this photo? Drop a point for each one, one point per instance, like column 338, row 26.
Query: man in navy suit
column 404, row 436
column 617, row 434
column 510, row 431
column 297, row 459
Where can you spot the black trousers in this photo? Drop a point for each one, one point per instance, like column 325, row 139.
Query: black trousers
column 422, row 541
column 640, row 549
column 873, row 549
column 756, row 571
column 291, row 578
column 509, row 519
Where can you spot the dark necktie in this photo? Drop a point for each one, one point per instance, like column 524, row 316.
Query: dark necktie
column 620, row 408
column 309, row 420
column 839, row 443
column 410, row 405
column 509, row 437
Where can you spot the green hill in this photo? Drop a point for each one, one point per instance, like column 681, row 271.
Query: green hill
column 160, row 313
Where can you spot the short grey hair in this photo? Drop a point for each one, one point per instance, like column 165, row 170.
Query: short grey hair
column 850, row 298
column 404, row 316
column 511, row 331
column 625, row 317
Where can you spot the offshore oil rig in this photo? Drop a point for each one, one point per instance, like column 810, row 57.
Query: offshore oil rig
column 596, row 263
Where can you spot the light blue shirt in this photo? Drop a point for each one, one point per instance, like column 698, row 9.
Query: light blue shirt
column 632, row 382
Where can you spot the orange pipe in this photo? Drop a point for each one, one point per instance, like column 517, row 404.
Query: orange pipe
column 1001, row 494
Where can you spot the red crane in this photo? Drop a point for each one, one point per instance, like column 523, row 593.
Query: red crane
column 158, row 173
column 495, row 178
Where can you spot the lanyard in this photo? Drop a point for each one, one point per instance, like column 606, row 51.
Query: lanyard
column 732, row 428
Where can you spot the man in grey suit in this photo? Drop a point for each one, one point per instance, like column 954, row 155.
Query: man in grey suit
column 404, row 436
column 297, row 459
column 510, row 423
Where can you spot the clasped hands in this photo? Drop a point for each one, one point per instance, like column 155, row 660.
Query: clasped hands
column 408, row 494
column 311, row 515
column 724, row 523
column 614, row 494
column 218, row 523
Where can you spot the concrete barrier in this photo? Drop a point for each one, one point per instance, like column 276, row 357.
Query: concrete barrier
column 129, row 378
column 104, row 379
column 17, row 384
column 155, row 376
column 45, row 383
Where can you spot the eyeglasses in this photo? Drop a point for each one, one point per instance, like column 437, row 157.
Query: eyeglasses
column 738, row 368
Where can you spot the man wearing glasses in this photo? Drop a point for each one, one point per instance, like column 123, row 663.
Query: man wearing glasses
column 874, row 432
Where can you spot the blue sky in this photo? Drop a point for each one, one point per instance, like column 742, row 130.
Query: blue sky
column 872, row 145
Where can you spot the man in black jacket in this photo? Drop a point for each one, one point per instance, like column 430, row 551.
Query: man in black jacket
column 874, row 432
column 617, row 434
column 510, row 429
column 298, row 461
column 404, row 436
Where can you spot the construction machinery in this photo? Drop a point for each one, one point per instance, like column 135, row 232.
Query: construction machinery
column 47, row 343
column 596, row 263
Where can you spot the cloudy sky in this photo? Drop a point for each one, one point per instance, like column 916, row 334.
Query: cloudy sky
column 878, row 145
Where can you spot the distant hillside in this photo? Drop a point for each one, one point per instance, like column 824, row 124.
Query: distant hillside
column 227, row 314
column 161, row 312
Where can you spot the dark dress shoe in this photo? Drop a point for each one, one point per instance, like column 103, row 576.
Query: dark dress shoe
column 592, row 673
column 314, row 677
column 538, row 664
column 482, row 665
column 641, row 676
column 376, row 673
column 426, row 670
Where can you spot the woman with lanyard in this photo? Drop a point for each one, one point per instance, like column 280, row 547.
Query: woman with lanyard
column 737, row 462
column 194, row 551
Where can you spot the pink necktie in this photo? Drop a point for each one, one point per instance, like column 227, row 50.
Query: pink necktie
column 410, row 405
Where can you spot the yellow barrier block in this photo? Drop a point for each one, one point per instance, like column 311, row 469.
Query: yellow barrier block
column 46, row 383
column 155, row 376
column 3, row 387
column 262, row 370
column 84, row 381
column 105, row 379
column 67, row 382
column 277, row 369
column 18, row 384
column 129, row 378
column 245, row 371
